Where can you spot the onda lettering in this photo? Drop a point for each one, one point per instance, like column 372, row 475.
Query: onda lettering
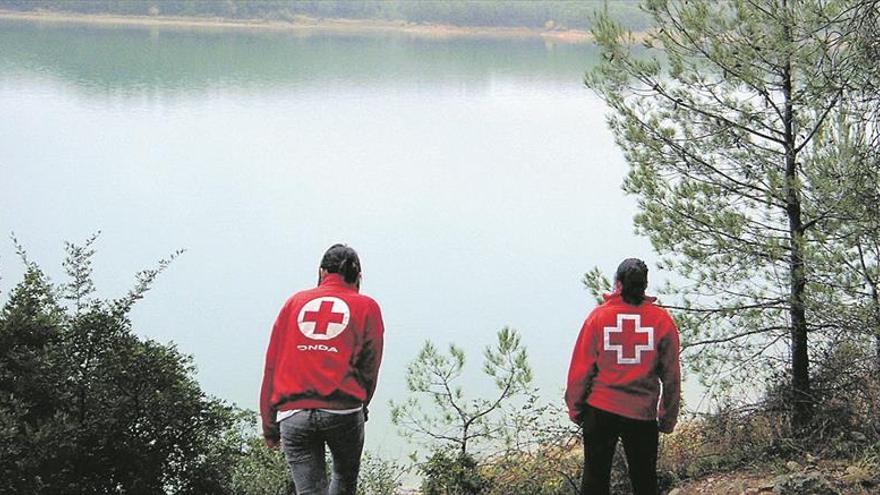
column 316, row 347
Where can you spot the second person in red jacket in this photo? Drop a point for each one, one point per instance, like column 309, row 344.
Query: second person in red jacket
column 321, row 371
column 627, row 349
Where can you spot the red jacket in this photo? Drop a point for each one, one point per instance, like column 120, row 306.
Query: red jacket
column 622, row 356
column 324, row 353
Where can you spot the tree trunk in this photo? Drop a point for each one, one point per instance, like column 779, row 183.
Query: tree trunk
column 464, row 440
column 875, row 306
column 876, row 297
column 877, row 341
column 877, row 344
column 800, row 360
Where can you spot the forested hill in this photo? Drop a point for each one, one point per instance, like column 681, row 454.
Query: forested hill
column 556, row 14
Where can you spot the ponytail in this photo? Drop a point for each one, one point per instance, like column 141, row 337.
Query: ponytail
column 633, row 277
column 350, row 268
column 343, row 260
column 632, row 296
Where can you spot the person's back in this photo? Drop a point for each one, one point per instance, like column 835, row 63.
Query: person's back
column 332, row 327
column 627, row 357
column 321, row 371
column 626, row 350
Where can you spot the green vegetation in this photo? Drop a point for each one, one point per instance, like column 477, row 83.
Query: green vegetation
column 752, row 134
column 458, row 423
column 87, row 406
column 751, row 159
column 506, row 443
column 503, row 13
column 453, row 426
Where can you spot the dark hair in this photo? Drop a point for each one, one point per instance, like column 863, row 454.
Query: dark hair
column 632, row 273
column 343, row 260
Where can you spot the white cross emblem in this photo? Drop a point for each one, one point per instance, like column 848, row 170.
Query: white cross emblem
column 323, row 318
column 637, row 348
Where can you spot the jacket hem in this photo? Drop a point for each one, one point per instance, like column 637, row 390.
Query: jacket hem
column 315, row 403
column 613, row 409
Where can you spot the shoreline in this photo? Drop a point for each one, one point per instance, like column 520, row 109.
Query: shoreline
column 306, row 25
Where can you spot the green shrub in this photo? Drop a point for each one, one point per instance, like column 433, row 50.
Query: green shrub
column 87, row 406
column 452, row 474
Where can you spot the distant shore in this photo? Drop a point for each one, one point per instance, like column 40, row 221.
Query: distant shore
column 305, row 25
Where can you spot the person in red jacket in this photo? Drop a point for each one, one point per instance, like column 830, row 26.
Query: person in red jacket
column 321, row 371
column 627, row 349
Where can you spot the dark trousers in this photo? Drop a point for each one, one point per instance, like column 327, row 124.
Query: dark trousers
column 303, row 439
column 601, row 431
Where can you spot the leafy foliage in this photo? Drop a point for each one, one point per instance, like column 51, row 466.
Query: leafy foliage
column 260, row 470
column 457, row 422
column 379, row 476
column 452, row 474
column 545, row 456
column 509, row 443
column 86, row 406
column 748, row 152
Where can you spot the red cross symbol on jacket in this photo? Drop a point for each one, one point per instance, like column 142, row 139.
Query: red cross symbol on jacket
column 626, row 361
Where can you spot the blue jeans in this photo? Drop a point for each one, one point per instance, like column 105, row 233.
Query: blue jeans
column 303, row 437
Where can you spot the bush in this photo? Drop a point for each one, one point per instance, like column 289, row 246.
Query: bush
column 86, row 406
column 452, row 474
column 549, row 471
column 379, row 476
column 259, row 470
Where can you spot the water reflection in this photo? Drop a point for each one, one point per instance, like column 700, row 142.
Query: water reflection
column 133, row 60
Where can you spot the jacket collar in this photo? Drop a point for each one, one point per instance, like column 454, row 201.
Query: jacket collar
column 336, row 280
column 615, row 297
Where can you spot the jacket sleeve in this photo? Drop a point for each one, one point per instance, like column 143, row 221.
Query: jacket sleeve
column 582, row 369
column 267, row 409
column 670, row 377
column 371, row 352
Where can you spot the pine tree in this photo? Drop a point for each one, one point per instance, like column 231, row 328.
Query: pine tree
column 731, row 120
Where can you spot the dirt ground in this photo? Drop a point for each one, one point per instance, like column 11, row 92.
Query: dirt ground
column 843, row 478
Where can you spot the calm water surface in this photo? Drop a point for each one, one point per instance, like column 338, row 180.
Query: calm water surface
column 476, row 178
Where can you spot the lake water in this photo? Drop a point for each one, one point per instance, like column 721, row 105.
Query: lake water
column 476, row 178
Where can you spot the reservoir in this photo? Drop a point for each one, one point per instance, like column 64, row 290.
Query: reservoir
column 475, row 177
